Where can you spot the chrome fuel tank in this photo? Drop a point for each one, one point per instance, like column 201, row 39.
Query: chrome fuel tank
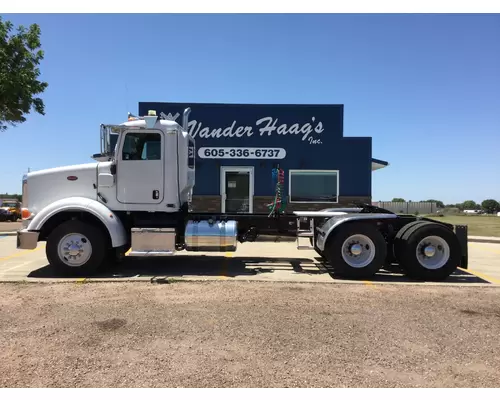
column 215, row 236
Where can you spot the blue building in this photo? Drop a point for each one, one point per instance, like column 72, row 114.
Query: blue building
column 238, row 145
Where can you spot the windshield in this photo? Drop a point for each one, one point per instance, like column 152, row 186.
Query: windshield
column 8, row 204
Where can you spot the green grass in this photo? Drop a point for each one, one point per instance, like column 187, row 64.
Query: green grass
column 478, row 225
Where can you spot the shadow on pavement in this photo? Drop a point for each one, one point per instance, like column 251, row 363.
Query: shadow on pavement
column 210, row 266
column 178, row 266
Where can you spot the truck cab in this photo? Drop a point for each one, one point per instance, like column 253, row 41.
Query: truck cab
column 143, row 175
column 151, row 167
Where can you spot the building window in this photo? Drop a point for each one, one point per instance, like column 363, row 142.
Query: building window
column 313, row 186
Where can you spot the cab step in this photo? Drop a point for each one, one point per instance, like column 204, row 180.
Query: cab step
column 152, row 242
column 305, row 233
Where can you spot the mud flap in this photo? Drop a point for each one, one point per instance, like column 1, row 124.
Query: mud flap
column 461, row 233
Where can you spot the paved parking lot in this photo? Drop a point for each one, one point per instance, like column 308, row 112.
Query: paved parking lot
column 260, row 261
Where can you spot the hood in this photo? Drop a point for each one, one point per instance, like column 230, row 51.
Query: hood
column 49, row 185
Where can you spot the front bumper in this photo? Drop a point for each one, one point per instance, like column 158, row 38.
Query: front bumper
column 27, row 240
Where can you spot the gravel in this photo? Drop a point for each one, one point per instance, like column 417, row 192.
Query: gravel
column 248, row 334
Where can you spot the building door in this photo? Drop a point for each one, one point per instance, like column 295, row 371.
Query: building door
column 237, row 189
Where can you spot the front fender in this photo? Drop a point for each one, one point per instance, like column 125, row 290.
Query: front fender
column 104, row 214
column 333, row 223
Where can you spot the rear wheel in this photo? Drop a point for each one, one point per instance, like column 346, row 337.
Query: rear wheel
column 356, row 251
column 429, row 252
column 398, row 240
column 76, row 248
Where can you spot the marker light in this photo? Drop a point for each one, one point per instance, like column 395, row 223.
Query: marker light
column 150, row 121
column 25, row 213
column 152, row 113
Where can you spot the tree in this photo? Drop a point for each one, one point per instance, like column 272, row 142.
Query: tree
column 439, row 203
column 469, row 205
column 11, row 196
column 490, row 206
column 398, row 200
column 20, row 55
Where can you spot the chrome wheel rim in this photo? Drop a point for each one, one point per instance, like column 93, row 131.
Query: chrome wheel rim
column 433, row 252
column 358, row 251
column 74, row 249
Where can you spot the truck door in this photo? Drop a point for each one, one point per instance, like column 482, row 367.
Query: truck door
column 140, row 167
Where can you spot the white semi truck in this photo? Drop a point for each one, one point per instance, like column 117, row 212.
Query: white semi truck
column 136, row 197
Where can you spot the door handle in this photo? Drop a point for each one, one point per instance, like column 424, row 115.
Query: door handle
column 156, row 194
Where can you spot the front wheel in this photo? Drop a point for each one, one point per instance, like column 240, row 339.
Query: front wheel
column 76, row 248
column 356, row 251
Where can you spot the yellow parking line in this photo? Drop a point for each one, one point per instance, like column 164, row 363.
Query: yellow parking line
column 482, row 276
column 369, row 283
column 223, row 272
column 21, row 253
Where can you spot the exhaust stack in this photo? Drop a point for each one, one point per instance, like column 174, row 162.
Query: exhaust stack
column 185, row 116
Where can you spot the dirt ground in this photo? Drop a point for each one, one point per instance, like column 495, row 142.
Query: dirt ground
column 248, row 334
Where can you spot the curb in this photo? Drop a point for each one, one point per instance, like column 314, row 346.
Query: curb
column 482, row 239
column 159, row 280
column 10, row 233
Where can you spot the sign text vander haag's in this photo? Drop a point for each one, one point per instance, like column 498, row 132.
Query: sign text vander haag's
column 266, row 126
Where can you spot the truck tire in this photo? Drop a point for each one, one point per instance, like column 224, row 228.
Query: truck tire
column 76, row 248
column 398, row 240
column 356, row 251
column 429, row 252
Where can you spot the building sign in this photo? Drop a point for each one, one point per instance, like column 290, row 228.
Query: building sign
column 309, row 132
column 249, row 153
column 248, row 124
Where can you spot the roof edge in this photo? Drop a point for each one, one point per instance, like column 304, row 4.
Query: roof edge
column 378, row 164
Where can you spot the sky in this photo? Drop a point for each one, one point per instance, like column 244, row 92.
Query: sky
column 426, row 88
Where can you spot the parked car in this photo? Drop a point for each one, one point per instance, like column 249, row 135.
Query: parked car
column 12, row 205
column 6, row 215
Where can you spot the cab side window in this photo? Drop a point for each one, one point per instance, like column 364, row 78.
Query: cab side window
column 142, row 146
